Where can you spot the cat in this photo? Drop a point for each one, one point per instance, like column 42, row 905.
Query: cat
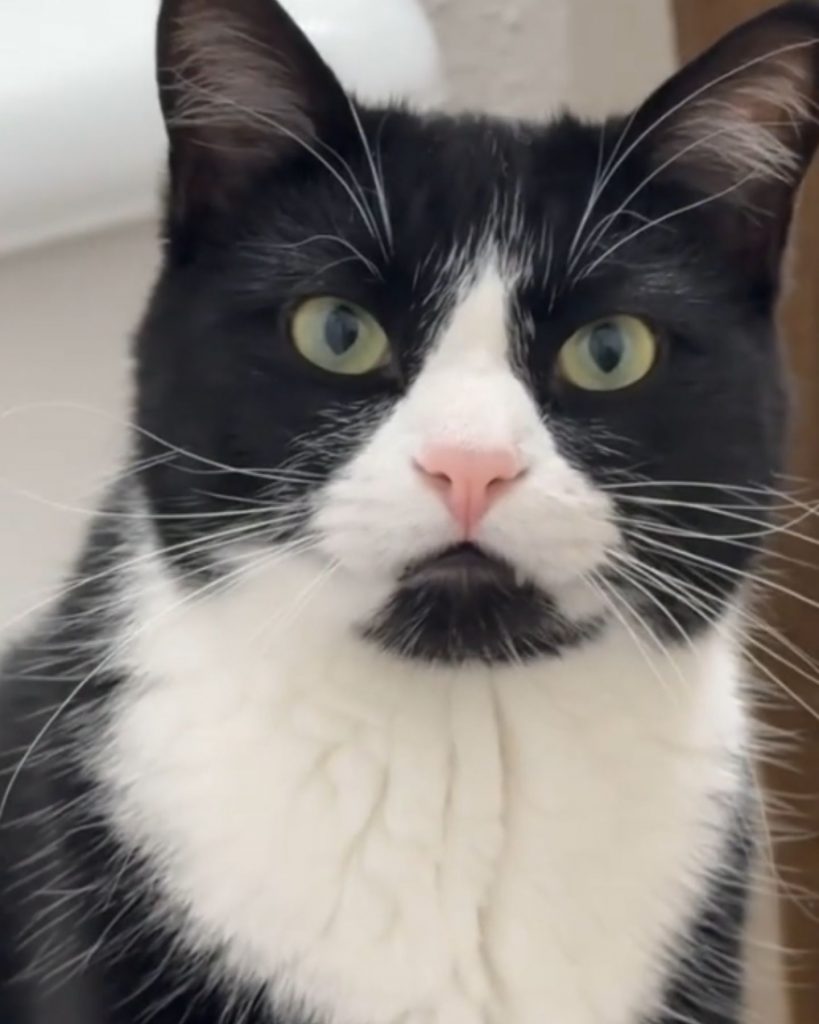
column 401, row 679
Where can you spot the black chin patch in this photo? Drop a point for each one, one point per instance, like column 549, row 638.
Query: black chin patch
column 462, row 567
column 465, row 605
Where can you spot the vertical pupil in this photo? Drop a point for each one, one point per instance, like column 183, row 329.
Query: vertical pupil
column 341, row 329
column 607, row 346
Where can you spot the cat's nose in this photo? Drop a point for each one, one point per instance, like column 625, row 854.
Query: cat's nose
column 468, row 481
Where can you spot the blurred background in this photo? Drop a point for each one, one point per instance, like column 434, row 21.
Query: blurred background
column 81, row 147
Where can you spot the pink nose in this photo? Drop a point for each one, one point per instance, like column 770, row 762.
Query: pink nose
column 468, row 481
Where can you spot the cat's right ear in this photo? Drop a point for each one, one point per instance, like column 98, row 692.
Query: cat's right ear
column 241, row 89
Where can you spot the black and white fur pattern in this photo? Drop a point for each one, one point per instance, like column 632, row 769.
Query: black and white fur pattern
column 256, row 770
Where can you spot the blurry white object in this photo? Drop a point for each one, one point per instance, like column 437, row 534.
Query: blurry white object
column 380, row 49
column 81, row 140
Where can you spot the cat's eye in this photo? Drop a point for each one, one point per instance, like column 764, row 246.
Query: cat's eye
column 609, row 355
column 339, row 337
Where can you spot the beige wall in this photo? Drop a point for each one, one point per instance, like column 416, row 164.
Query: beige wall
column 505, row 56
column 620, row 50
column 66, row 313
column 528, row 57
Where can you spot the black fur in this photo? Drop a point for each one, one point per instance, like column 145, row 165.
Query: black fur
column 472, row 614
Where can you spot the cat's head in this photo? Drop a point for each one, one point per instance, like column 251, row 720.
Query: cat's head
column 507, row 382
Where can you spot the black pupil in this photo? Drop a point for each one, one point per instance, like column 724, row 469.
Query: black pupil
column 607, row 346
column 341, row 330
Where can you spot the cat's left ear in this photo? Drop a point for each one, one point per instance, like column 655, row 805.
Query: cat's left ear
column 242, row 89
column 739, row 126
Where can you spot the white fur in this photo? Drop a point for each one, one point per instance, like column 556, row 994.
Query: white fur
column 393, row 843
column 377, row 514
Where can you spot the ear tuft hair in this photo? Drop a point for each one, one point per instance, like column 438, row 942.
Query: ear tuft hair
column 231, row 87
column 241, row 87
column 741, row 123
column 750, row 127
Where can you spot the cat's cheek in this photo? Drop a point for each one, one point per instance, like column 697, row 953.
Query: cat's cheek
column 374, row 530
column 549, row 555
column 558, row 527
column 582, row 601
column 376, row 516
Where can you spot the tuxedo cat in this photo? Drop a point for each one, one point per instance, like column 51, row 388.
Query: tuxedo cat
column 402, row 679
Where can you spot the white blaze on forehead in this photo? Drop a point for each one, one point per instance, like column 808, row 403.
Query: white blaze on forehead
column 554, row 525
column 466, row 392
column 477, row 333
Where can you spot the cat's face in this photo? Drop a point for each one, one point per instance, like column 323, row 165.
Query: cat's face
column 503, row 379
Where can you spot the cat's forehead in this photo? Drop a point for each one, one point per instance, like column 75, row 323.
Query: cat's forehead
column 413, row 211
column 453, row 183
column 481, row 179
column 421, row 204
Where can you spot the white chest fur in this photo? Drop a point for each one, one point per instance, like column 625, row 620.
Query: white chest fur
column 394, row 843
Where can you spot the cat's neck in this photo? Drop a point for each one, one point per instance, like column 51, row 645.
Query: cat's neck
column 309, row 796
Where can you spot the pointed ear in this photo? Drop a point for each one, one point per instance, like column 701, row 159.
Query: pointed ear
column 241, row 89
column 739, row 125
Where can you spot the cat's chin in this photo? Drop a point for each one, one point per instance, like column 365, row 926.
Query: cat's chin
column 462, row 567
column 463, row 604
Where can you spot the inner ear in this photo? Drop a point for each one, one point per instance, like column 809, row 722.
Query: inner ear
column 749, row 126
column 241, row 87
column 739, row 126
column 236, row 90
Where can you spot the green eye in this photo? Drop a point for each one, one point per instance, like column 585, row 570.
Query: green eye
column 339, row 337
column 609, row 355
